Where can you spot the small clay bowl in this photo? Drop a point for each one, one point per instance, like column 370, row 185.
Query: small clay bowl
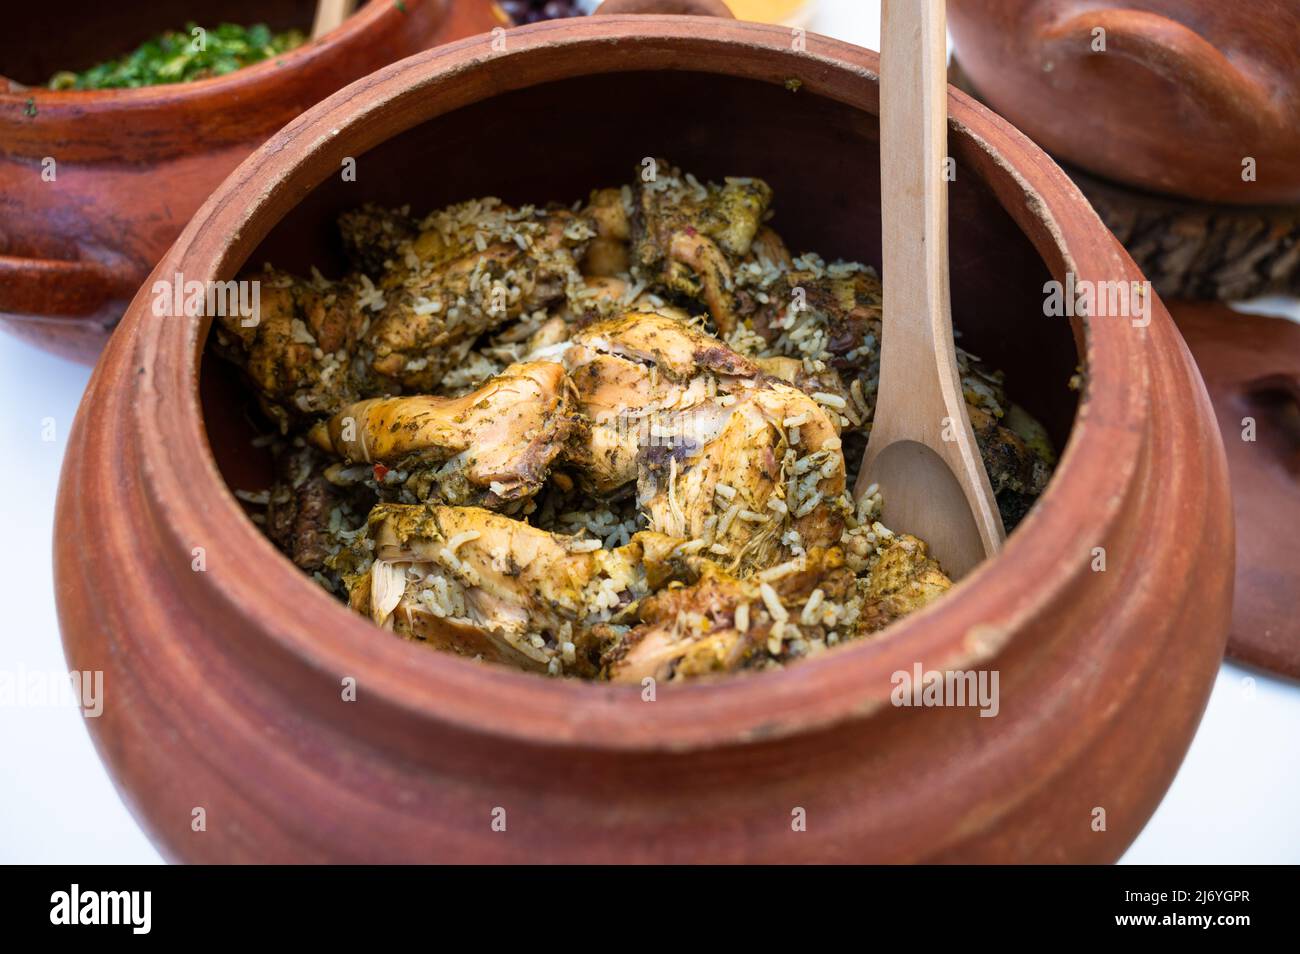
column 1182, row 93
column 132, row 166
column 226, row 684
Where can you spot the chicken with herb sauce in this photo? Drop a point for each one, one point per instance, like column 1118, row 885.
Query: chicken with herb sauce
column 611, row 441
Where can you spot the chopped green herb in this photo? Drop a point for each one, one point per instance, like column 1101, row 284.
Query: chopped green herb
column 183, row 56
column 29, row 108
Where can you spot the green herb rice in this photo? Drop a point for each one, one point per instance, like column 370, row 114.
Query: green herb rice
column 183, row 56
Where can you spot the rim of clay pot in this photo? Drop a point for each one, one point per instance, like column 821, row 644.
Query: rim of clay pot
column 1097, row 465
column 155, row 107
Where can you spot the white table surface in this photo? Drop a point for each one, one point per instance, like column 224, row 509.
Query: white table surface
column 1234, row 800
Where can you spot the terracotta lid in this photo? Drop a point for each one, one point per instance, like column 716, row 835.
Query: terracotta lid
column 1251, row 366
column 1198, row 98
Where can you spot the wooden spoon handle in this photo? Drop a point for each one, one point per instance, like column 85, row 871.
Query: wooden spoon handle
column 920, row 396
column 329, row 15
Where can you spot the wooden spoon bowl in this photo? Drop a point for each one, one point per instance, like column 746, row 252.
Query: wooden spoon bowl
column 225, row 685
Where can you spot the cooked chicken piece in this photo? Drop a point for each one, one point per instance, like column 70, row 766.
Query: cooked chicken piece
column 372, row 237
column 481, row 584
column 306, row 510
column 900, row 579
column 595, row 298
column 722, row 624
column 698, row 427
column 676, row 351
column 299, row 350
column 690, row 236
column 841, row 302
column 631, row 371
column 489, row 447
column 751, row 482
column 1017, row 474
column 471, row 270
column 603, row 298
column 824, row 382
column 609, row 253
column 768, row 246
column 479, row 225
column 551, row 332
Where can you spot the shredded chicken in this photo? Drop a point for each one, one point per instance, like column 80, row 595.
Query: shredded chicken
column 297, row 351
column 690, row 235
column 721, row 623
column 610, row 441
column 484, row 585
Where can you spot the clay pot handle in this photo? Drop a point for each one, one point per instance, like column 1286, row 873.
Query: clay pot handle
column 1250, row 372
column 54, row 287
column 1284, row 382
column 1284, row 385
column 699, row 8
column 1171, row 50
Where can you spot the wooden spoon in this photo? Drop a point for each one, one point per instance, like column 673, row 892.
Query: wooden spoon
column 921, row 451
column 330, row 14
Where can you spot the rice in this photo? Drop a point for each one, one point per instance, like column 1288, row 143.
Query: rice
column 780, row 571
column 370, row 296
column 809, row 615
column 855, row 392
column 725, row 523
column 772, row 602
column 776, row 637
column 809, row 505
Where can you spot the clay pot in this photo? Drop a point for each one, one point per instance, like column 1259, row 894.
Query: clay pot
column 225, row 685
column 1184, row 91
column 132, row 166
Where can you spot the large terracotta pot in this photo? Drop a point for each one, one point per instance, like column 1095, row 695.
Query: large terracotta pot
column 1182, row 93
column 224, row 686
column 132, row 166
